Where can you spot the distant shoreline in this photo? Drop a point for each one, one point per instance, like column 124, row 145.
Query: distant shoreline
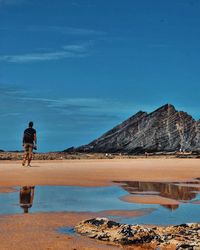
column 79, row 156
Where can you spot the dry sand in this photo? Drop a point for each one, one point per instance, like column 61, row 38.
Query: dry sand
column 37, row 231
column 97, row 172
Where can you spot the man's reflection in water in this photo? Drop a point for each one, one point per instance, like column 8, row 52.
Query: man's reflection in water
column 26, row 197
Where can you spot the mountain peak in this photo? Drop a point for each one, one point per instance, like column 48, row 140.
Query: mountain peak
column 165, row 107
column 165, row 129
column 169, row 106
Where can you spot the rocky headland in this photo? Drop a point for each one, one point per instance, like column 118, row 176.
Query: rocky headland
column 184, row 236
column 163, row 130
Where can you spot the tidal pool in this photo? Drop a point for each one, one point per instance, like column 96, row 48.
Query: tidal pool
column 83, row 199
column 66, row 230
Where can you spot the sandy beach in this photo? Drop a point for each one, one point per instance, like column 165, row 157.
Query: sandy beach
column 97, row 172
column 38, row 231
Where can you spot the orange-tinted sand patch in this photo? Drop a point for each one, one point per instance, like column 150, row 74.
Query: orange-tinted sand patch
column 38, row 232
column 124, row 213
column 7, row 190
column 149, row 199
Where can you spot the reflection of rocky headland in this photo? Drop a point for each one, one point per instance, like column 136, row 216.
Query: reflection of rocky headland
column 171, row 207
column 175, row 191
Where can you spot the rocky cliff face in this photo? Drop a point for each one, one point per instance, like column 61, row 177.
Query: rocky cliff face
column 165, row 129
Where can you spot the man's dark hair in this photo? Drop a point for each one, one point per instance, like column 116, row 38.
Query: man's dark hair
column 30, row 124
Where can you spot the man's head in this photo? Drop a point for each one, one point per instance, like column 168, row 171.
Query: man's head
column 30, row 124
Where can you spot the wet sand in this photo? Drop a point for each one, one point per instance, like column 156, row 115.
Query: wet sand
column 37, row 231
column 150, row 199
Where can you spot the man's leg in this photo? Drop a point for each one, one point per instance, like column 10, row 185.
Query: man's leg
column 25, row 155
column 30, row 154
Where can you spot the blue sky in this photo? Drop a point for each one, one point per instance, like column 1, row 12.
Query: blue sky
column 79, row 67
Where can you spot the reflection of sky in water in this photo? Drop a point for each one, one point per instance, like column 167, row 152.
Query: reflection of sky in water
column 186, row 213
column 66, row 230
column 79, row 199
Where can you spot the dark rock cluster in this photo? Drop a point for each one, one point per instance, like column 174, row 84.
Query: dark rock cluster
column 164, row 130
column 50, row 156
column 184, row 236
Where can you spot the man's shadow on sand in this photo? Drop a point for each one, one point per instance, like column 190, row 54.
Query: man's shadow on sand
column 32, row 166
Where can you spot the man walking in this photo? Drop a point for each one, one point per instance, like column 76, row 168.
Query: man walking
column 29, row 143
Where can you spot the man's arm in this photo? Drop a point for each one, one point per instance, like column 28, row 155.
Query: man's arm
column 35, row 138
column 20, row 196
column 32, row 194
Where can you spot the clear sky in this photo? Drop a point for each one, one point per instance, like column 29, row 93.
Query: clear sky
column 79, row 67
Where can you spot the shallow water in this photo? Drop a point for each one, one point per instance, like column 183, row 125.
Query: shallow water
column 84, row 199
column 66, row 230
